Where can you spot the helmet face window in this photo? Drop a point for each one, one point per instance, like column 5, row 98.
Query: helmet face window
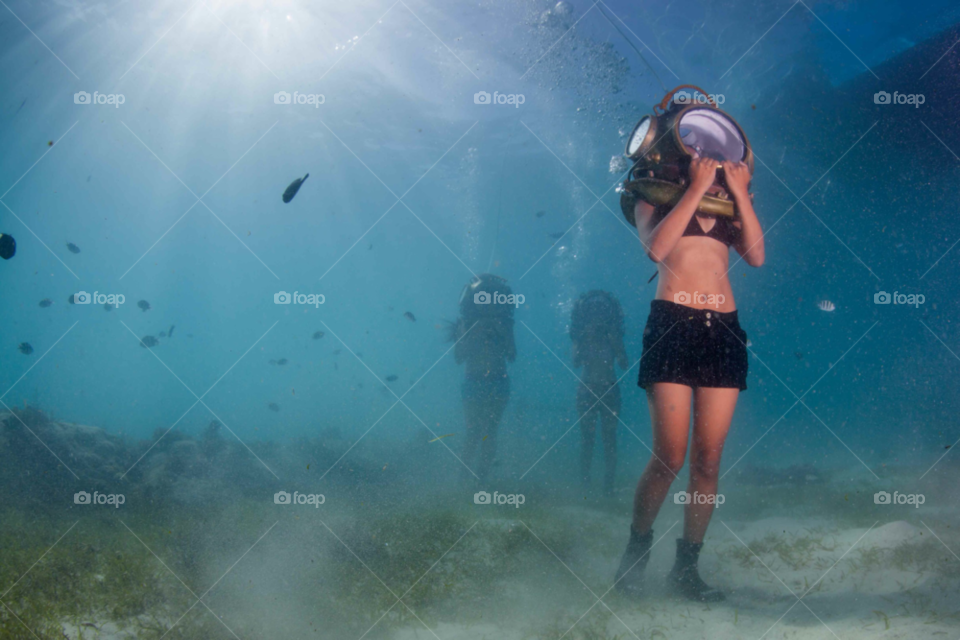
column 711, row 134
column 633, row 145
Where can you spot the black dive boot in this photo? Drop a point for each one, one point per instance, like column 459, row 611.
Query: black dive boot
column 684, row 576
column 629, row 579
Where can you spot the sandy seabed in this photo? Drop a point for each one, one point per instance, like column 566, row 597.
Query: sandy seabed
column 785, row 578
column 201, row 550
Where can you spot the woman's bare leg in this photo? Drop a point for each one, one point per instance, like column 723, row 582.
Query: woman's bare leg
column 712, row 413
column 670, row 416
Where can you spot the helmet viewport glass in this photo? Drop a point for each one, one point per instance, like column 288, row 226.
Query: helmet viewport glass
column 711, row 134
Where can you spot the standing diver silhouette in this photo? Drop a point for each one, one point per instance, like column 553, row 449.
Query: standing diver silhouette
column 596, row 330
column 484, row 343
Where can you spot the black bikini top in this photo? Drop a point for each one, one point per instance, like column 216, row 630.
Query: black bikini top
column 723, row 229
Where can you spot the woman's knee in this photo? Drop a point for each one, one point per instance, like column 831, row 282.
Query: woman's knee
column 705, row 464
column 667, row 463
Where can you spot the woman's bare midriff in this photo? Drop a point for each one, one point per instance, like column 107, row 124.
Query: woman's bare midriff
column 697, row 267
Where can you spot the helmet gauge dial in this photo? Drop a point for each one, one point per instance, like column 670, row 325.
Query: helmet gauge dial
column 641, row 139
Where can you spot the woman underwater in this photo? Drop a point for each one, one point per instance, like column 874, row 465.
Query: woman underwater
column 694, row 359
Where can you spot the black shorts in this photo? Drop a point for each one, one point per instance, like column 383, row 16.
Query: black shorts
column 693, row 347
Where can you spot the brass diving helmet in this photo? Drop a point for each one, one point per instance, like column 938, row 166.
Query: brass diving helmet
column 663, row 143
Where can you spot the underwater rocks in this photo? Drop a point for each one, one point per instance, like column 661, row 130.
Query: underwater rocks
column 37, row 456
column 44, row 461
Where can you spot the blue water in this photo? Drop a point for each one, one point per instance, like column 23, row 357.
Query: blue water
column 174, row 197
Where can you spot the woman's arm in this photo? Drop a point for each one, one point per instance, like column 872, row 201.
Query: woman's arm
column 751, row 235
column 661, row 240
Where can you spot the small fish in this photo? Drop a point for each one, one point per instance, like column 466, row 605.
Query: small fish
column 88, row 178
column 107, row 306
column 20, row 107
column 148, row 342
column 25, row 348
column 947, row 446
column 826, row 305
column 273, row 406
column 359, row 355
column 293, row 391
column 484, row 438
column 370, row 247
column 8, row 246
column 293, row 188
column 282, row 361
column 163, row 334
column 73, row 248
column 798, row 355
column 446, row 435
column 391, row 378
column 336, row 352
column 409, row 316
column 557, row 236
column 144, row 305
column 540, row 214
column 49, row 143
column 335, row 367
column 46, row 302
column 318, row 335
column 170, row 331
